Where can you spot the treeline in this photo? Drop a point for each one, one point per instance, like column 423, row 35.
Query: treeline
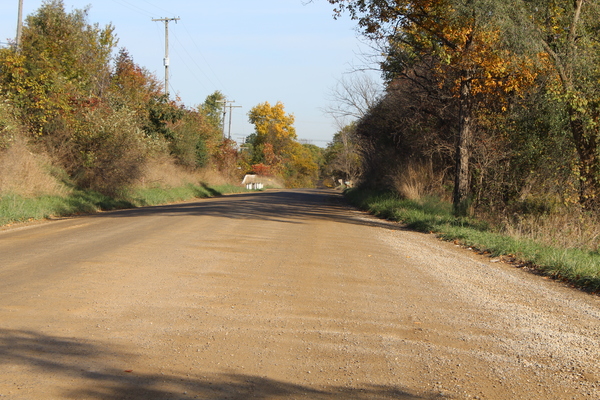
column 69, row 93
column 493, row 104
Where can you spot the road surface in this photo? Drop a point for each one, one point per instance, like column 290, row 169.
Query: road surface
column 279, row 295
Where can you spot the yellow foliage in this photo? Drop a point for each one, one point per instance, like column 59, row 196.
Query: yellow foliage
column 272, row 121
column 277, row 147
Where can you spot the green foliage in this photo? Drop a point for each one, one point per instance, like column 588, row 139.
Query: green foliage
column 212, row 109
column 60, row 82
column 502, row 96
column 99, row 118
column 162, row 114
column 568, row 33
column 188, row 140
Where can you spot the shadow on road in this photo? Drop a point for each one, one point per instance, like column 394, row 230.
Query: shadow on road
column 289, row 206
column 84, row 364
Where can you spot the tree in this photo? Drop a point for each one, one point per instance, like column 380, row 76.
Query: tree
column 272, row 122
column 191, row 142
column 567, row 32
column 353, row 97
column 274, row 133
column 301, row 166
column 275, row 149
column 133, row 87
column 212, row 109
column 464, row 41
column 63, row 64
column 342, row 155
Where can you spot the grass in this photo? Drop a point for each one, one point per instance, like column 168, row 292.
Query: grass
column 15, row 208
column 579, row 267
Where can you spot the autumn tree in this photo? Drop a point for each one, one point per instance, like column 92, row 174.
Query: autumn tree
column 275, row 150
column 63, row 64
column 274, row 133
column 301, row 166
column 133, row 87
column 62, row 83
column 464, row 41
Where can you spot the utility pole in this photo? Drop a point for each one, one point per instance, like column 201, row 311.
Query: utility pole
column 230, row 107
column 225, row 106
column 19, row 25
column 166, row 60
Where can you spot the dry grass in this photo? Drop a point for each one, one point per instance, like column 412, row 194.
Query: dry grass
column 26, row 174
column 565, row 229
column 417, row 181
column 163, row 172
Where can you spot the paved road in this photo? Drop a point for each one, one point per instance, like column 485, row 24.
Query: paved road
column 279, row 295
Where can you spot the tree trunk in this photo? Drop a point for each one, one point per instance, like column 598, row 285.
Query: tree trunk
column 461, row 195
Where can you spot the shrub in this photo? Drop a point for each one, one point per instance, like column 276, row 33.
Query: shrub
column 109, row 151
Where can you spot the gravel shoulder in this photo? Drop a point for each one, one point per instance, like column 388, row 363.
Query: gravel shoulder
column 279, row 295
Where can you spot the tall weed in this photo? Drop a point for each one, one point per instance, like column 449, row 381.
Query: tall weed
column 27, row 174
column 417, row 180
column 564, row 228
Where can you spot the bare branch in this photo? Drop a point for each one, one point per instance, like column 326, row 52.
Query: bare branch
column 354, row 96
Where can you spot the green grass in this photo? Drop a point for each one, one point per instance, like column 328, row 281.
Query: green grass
column 579, row 267
column 14, row 208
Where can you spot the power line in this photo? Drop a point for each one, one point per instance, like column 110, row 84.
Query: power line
column 157, row 7
column 202, row 55
column 230, row 107
column 195, row 63
column 190, row 69
column 144, row 11
column 225, row 105
column 133, row 7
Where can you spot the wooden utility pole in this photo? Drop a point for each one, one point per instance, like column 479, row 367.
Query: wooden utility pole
column 19, row 24
column 227, row 104
column 230, row 107
column 166, row 60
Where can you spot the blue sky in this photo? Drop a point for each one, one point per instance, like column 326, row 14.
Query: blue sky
column 252, row 51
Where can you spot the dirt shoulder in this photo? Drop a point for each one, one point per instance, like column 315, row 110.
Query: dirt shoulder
column 282, row 294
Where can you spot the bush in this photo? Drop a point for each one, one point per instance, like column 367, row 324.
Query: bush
column 109, row 151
